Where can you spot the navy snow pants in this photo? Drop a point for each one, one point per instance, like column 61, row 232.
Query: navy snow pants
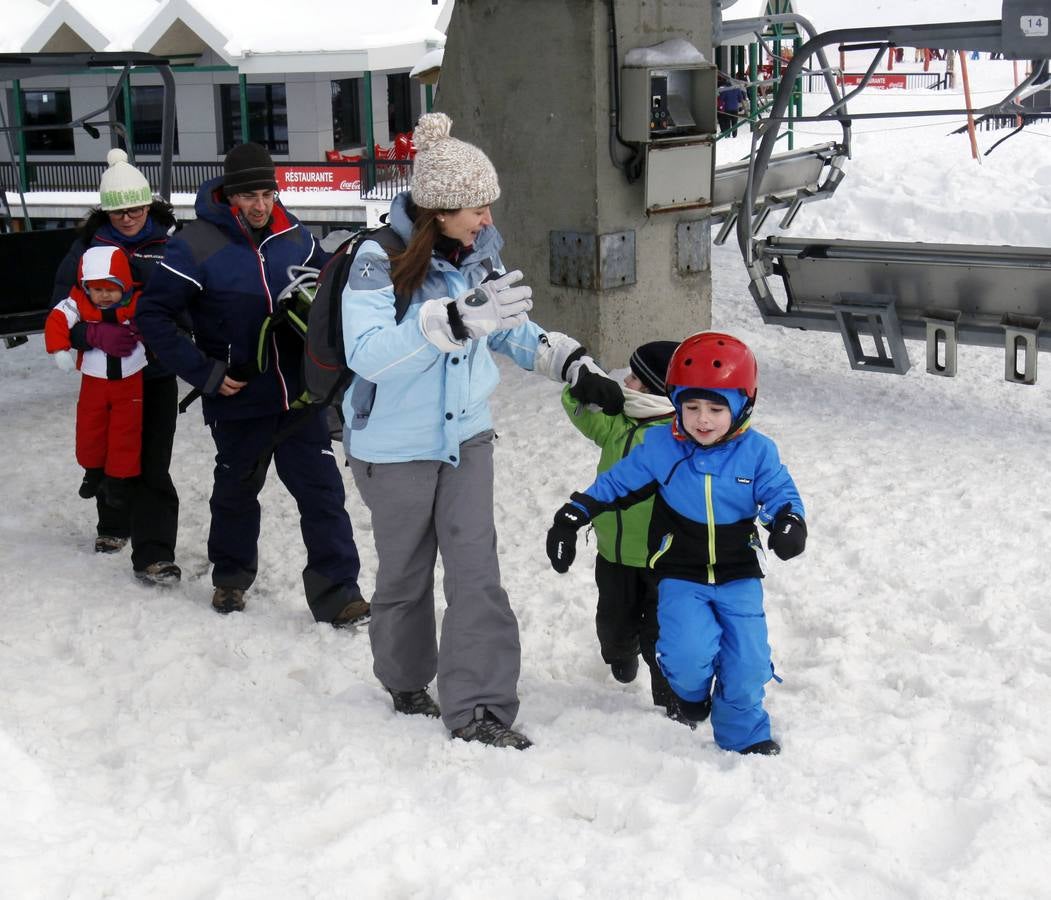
column 307, row 466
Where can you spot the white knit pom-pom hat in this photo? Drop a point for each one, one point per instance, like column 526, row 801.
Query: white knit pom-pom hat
column 448, row 173
column 122, row 185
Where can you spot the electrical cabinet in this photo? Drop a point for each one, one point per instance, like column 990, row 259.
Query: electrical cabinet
column 670, row 108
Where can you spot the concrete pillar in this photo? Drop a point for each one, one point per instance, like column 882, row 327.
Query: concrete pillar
column 530, row 84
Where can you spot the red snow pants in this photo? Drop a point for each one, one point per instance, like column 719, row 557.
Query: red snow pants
column 109, row 425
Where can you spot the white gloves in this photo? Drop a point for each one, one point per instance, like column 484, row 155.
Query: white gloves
column 556, row 354
column 66, row 360
column 435, row 327
column 495, row 305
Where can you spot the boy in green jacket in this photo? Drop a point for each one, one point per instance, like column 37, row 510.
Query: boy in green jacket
column 626, row 618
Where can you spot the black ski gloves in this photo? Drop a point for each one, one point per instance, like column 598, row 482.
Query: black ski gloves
column 787, row 533
column 562, row 536
column 591, row 387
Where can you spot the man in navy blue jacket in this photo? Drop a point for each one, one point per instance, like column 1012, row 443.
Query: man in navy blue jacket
column 226, row 269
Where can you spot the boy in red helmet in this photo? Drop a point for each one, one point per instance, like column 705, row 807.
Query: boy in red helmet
column 711, row 476
column 109, row 409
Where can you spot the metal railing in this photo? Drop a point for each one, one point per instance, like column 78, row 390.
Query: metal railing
column 378, row 179
column 815, row 82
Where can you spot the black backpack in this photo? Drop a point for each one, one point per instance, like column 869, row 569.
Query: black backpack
column 318, row 319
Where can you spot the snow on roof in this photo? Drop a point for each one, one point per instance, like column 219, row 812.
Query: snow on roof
column 237, row 29
column 20, row 18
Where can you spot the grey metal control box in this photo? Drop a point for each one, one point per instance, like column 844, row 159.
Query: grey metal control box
column 1026, row 33
column 667, row 102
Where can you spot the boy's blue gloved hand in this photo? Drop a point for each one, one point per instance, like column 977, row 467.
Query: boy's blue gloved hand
column 787, row 533
column 562, row 536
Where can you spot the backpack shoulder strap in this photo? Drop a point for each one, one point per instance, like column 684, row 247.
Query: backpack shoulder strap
column 391, row 242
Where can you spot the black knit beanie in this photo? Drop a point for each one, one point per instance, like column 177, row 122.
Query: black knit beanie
column 248, row 167
column 650, row 364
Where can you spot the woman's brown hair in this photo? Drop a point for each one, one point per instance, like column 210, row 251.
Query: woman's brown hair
column 409, row 268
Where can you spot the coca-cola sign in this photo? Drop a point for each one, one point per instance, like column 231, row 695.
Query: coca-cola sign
column 309, row 178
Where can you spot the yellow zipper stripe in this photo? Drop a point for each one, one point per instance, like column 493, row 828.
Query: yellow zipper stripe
column 710, row 512
column 664, row 547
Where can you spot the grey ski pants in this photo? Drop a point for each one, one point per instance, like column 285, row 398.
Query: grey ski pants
column 418, row 509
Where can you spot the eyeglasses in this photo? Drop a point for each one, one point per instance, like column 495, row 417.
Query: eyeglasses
column 132, row 213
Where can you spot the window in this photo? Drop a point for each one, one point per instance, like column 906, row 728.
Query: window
column 47, row 108
column 147, row 109
column 267, row 116
column 399, row 103
column 346, row 113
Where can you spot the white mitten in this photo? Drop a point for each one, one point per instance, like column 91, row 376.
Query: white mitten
column 66, row 360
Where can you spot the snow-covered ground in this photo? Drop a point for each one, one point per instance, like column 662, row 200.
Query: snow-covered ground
column 150, row 748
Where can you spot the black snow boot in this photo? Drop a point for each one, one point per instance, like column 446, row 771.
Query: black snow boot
column 415, row 703
column 687, row 712
column 625, row 670
column 488, row 729
column 763, row 748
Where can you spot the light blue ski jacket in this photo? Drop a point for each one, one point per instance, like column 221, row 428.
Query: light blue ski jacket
column 409, row 400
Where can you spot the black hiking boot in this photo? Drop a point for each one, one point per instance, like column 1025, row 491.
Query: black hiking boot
column 688, row 713
column 625, row 670
column 226, row 600
column 357, row 612
column 415, row 703
column 763, row 748
column 485, row 728
column 89, row 486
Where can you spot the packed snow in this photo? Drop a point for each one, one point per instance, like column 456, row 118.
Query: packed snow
column 151, row 748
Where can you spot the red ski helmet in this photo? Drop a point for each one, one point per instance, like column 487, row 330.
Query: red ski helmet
column 713, row 362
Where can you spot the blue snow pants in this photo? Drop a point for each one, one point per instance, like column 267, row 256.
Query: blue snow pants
column 718, row 630
column 307, row 466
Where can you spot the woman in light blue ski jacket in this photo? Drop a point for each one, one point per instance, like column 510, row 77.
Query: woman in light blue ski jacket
column 411, row 400
column 419, row 436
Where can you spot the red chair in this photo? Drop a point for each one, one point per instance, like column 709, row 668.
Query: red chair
column 404, row 148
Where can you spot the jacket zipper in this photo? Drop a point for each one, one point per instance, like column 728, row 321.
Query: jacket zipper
column 269, row 302
column 710, row 513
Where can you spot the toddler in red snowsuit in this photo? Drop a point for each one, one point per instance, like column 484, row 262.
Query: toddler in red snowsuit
column 109, row 409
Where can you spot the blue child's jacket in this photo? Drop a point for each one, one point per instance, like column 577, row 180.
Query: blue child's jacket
column 707, row 501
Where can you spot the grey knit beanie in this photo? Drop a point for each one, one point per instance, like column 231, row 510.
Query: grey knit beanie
column 448, row 173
